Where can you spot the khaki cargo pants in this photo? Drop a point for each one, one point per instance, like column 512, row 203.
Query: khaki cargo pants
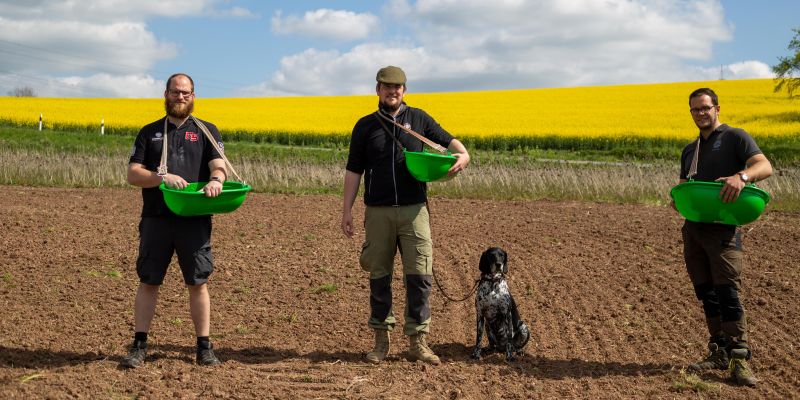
column 388, row 229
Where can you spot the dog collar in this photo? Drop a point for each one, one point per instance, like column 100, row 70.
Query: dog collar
column 491, row 278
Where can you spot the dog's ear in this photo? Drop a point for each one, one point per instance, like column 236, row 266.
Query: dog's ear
column 483, row 264
column 505, row 261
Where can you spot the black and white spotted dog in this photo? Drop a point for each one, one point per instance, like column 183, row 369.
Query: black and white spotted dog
column 496, row 310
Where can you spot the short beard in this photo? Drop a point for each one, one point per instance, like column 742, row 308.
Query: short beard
column 178, row 110
column 390, row 109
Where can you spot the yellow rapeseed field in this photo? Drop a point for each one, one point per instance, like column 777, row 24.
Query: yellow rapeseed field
column 652, row 110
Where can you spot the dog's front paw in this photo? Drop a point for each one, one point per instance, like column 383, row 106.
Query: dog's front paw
column 510, row 357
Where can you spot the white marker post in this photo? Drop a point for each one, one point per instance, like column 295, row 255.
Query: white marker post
column 102, row 126
column 40, row 122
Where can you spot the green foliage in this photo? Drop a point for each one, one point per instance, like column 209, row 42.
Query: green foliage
column 692, row 382
column 326, row 288
column 27, row 378
column 7, row 277
column 329, row 149
column 787, row 71
column 619, row 170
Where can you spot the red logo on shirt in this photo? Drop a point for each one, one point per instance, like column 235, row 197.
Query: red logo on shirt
column 191, row 136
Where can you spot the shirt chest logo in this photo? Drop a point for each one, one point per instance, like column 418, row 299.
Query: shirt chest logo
column 190, row 136
column 158, row 137
column 407, row 125
column 716, row 146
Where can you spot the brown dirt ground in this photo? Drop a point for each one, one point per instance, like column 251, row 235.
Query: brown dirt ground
column 602, row 287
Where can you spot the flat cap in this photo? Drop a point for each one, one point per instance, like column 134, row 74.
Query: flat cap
column 391, row 75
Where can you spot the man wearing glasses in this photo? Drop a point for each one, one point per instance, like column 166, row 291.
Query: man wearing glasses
column 713, row 252
column 191, row 158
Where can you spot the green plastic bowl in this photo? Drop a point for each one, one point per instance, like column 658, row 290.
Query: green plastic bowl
column 190, row 202
column 428, row 167
column 699, row 201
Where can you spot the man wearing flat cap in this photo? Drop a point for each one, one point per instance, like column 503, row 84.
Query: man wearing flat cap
column 396, row 215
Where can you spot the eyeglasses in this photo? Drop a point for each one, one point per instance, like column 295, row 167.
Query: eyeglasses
column 701, row 110
column 180, row 93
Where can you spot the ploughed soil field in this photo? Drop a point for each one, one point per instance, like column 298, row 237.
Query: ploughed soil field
column 602, row 287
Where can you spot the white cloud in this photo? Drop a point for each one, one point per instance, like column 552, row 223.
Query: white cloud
column 104, row 47
column 326, row 23
column 97, row 85
column 742, row 70
column 102, row 10
column 475, row 45
column 76, row 46
column 235, row 12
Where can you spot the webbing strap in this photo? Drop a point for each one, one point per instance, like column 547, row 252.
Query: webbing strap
column 162, row 168
column 695, row 158
column 389, row 133
column 425, row 140
column 216, row 146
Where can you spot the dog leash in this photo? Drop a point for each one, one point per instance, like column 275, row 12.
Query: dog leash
column 436, row 279
column 471, row 292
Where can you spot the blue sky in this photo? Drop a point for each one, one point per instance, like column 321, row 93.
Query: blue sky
column 240, row 48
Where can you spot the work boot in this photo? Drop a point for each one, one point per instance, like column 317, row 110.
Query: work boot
column 717, row 359
column 381, row 349
column 740, row 371
column 136, row 355
column 419, row 350
column 206, row 356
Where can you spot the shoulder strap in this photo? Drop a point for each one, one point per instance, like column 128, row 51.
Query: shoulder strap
column 695, row 158
column 162, row 168
column 388, row 132
column 213, row 141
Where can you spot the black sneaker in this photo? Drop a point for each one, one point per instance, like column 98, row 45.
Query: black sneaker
column 135, row 357
column 207, row 357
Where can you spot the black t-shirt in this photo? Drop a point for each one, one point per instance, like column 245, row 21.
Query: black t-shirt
column 375, row 154
column 724, row 153
column 189, row 155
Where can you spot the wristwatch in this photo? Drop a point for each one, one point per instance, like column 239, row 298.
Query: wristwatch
column 743, row 176
column 216, row 178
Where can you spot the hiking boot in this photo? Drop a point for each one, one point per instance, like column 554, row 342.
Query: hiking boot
column 381, row 349
column 717, row 359
column 135, row 357
column 740, row 371
column 419, row 350
column 206, row 356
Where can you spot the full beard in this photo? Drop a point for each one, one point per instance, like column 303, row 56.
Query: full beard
column 178, row 110
column 390, row 108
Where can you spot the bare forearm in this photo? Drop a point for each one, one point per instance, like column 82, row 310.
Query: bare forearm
column 139, row 176
column 351, row 182
column 758, row 171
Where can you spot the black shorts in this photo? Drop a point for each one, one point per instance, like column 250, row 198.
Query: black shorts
column 160, row 237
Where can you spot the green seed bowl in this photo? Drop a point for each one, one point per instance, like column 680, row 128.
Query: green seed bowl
column 190, row 202
column 428, row 167
column 699, row 201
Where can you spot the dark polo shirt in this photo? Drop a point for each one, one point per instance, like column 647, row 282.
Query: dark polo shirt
column 189, row 155
column 724, row 153
column 374, row 153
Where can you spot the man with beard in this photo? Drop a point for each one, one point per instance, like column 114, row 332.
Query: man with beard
column 713, row 252
column 396, row 214
column 191, row 158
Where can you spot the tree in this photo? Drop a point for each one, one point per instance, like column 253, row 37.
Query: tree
column 787, row 72
column 22, row 91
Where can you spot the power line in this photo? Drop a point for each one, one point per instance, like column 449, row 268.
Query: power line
column 91, row 67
